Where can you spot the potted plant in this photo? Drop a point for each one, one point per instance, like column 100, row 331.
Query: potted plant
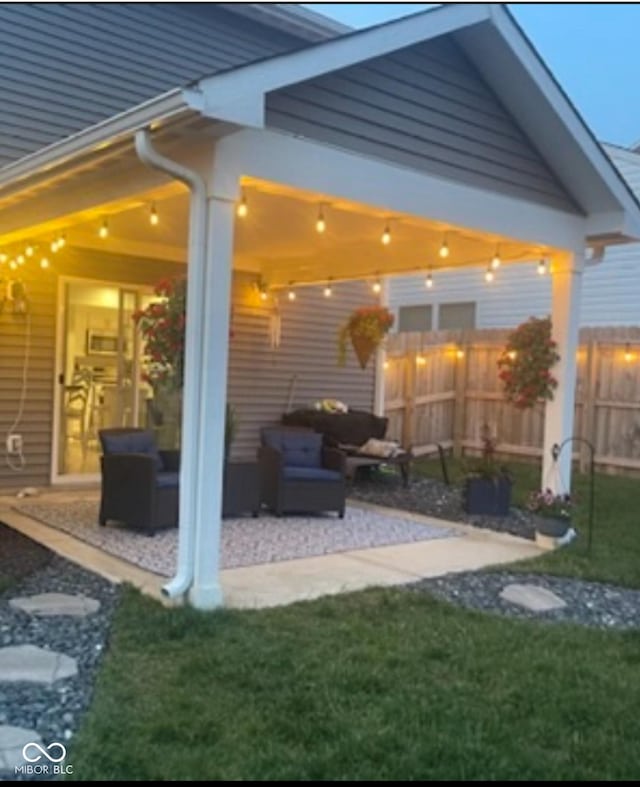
column 487, row 489
column 553, row 516
column 366, row 328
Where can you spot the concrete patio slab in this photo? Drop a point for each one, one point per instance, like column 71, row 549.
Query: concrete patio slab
column 12, row 742
column 273, row 584
column 532, row 597
column 52, row 604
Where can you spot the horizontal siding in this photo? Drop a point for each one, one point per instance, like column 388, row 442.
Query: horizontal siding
column 425, row 107
column 66, row 66
column 610, row 295
column 260, row 378
column 37, row 422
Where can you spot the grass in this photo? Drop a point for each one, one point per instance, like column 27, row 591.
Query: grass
column 615, row 554
column 373, row 685
column 382, row 684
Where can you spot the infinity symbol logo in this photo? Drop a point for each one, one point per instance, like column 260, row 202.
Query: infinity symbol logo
column 44, row 752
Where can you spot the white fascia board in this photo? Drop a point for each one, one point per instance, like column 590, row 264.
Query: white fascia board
column 96, row 137
column 257, row 79
column 571, row 120
column 309, row 166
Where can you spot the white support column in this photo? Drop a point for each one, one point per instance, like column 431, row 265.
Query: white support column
column 207, row 477
column 559, row 413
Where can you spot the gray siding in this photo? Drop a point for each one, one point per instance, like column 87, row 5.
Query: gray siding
column 65, row 66
column 37, row 423
column 425, row 107
column 260, row 378
column 610, row 295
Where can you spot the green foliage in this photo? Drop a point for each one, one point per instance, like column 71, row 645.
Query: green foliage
column 368, row 322
column 162, row 325
column 526, row 362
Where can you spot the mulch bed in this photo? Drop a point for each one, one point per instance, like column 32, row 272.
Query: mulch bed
column 20, row 556
column 432, row 497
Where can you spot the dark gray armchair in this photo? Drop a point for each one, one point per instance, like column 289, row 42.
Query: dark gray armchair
column 298, row 474
column 140, row 484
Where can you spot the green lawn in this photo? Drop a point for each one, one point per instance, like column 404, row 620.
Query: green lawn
column 380, row 684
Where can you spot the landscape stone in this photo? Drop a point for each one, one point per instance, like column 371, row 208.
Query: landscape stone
column 29, row 663
column 532, row 597
column 50, row 604
column 12, row 741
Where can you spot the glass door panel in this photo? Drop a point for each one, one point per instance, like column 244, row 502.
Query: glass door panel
column 98, row 371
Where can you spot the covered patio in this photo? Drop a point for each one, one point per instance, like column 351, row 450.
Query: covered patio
column 306, row 172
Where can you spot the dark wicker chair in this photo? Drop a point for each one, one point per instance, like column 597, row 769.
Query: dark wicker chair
column 140, row 484
column 298, row 474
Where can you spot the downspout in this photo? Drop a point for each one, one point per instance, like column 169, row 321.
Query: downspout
column 183, row 579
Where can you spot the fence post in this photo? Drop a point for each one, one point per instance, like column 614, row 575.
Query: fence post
column 409, row 420
column 460, row 400
column 589, row 406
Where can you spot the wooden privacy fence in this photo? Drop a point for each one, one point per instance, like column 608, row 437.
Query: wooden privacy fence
column 442, row 387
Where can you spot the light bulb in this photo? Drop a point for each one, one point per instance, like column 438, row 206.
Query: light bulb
column 628, row 355
column 62, row 240
column 386, row 236
column 54, row 246
column 444, row 249
column 542, row 267
column 321, row 224
column 496, row 261
column 29, row 251
column 3, row 258
column 512, row 355
column 460, row 354
column 386, row 365
column 44, row 263
column 153, row 216
column 263, row 295
column 243, row 209
column 103, row 232
column 291, row 295
column 13, row 265
column 377, row 287
column 489, row 275
column 20, row 259
column 328, row 292
column 428, row 282
column 421, row 360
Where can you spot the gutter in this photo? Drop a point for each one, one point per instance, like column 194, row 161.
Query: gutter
column 183, row 579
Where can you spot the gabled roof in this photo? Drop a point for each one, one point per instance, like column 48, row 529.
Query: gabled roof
column 493, row 42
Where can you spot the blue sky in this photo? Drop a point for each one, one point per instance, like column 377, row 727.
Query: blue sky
column 592, row 48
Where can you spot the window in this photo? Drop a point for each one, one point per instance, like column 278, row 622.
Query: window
column 457, row 316
column 415, row 318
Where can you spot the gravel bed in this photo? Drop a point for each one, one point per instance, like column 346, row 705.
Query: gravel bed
column 19, row 556
column 590, row 604
column 55, row 712
column 432, row 497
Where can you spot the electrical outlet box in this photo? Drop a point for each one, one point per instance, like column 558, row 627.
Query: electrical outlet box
column 14, row 444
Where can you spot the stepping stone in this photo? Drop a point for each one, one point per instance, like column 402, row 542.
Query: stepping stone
column 50, row 604
column 28, row 663
column 532, row 597
column 12, row 741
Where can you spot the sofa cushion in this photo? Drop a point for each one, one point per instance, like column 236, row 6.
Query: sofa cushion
column 298, row 448
column 141, row 441
column 311, row 474
column 167, row 480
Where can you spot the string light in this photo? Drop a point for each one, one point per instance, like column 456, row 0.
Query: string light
column 153, row 215
column 44, row 263
column 628, row 355
column 489, row 275
column 542, row 267
column 428, row 282
column 444, row 249
column 459, row 354
column 421, row 360
column 29, row 251
column 328, row 290
column 103, row 232
column 13, row 264
column 512, row 355
column 291, row 295
column 386, row 236
column 20, row 259
column 321, row 224
column 62, row 241
column 496, row 261
column 54, row 246
column 243, row 209
column 3, row 258
column 385, row 365
column 377, row 287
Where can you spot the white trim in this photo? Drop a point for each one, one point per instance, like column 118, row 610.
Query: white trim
column 310, row 166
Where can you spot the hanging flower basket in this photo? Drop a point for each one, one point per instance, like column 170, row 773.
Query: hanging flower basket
column 526, row 362
column 366, row 328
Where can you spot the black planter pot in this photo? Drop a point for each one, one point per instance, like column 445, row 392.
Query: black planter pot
column 491, row 497
column 552, row 528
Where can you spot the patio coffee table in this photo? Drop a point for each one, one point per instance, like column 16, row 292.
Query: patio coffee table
column 402, row 461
